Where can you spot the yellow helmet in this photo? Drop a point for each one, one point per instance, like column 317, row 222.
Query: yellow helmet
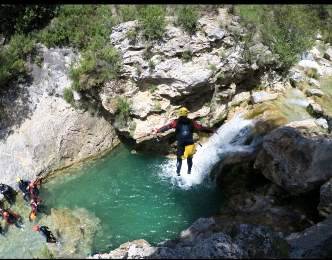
column 183, row 111
column 18, row 179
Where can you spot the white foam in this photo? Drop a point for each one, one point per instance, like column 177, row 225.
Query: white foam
column 229, row 138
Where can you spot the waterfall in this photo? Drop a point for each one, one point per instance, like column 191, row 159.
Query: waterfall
column 229, row 138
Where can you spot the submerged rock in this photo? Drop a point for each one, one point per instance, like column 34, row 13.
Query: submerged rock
column 295, row 162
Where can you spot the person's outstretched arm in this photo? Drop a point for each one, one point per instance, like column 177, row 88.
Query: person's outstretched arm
column 164, row 128
column 199, row 127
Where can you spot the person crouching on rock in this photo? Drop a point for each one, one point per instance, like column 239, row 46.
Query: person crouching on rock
column 44, row 230
column 33, row 188
column 11, row 217
column 8, row 192
column 23, row 186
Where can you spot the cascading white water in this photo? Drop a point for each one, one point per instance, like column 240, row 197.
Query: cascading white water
column 229, row 138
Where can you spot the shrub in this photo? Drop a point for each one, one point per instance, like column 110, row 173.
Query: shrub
column 187, row 55
column 127, row 13
column 78, row 26
column 152, row 21
column 95, row 68
column 287, row 30
column 22, row 19
column 13, row 58
column 212, row 67
column 132, row 35
column 152, row 88
column 312, row 73
column 68, row 95
column 123, row 107
column 187, row 17
column 151, row 65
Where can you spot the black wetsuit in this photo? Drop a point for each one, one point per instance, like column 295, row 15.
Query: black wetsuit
column 184, row 135
column 8, row 192
column 50, row 238
column 23, row 185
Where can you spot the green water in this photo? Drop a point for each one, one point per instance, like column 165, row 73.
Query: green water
column 131, row 199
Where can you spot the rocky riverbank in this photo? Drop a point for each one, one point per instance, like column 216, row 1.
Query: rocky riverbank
column 278, row 194
column 54, row 134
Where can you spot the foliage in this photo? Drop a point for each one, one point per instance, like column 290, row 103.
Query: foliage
column 212, row 67
column 132, row 34
column 287, row 30
column 87, row 28
column 152, row 21
column 78, row 26
column 96, row 66
column 151, row 65
column 12, row 58
column 187, row 17
column 312, row 73
column 187, row 55
column 123, row 108
column 68, row 95
column 152, row 88
column 127, row 13
column 22, row 19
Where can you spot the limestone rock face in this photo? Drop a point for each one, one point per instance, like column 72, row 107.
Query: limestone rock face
column 182, row 69
column 55, row 135
column 295, row 162
column 262, row 96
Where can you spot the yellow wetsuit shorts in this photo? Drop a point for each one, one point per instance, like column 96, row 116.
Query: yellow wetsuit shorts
column 189, row 151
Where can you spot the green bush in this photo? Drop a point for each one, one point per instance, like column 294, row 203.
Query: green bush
column 95, row 68
column 187, row 17
column 151, row 65
column 288, row 30
column 78, row 26
column 152, row 21
column 13, row 58
column 127, row 13
column 22, row 19
column 123, row 108
column 187, row 55
column 68, row 95
column 312, row 73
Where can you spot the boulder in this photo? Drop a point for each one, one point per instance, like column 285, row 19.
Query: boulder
column 310, row 64
column 240, row 98
column 325, row 201
column 313, row 242
column 262, row 96
column 204, row 239
column 296, row 163
column 314, row 92
column 304, row 124
column 328, row 54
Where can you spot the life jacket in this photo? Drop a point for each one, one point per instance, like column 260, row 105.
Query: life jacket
column 184, row 130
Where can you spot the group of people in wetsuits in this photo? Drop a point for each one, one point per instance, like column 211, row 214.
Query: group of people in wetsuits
column 30, row 190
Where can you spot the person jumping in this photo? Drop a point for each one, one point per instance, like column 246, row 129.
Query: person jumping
column 184, row 129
